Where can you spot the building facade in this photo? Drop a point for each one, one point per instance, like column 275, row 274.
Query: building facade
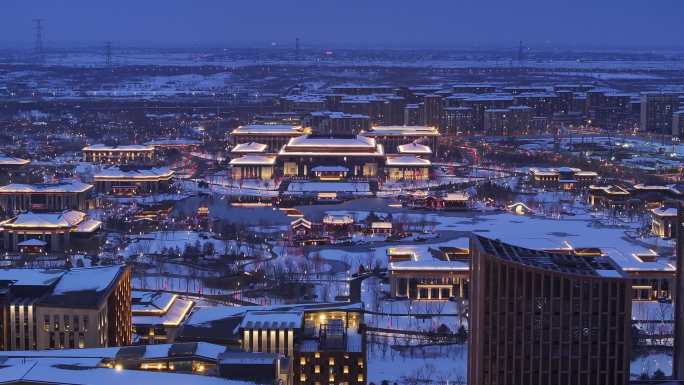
column 17, row 197
column 657, row 110
column 133, row 181
column 546, row 318
column 66, row 309
column 50, row 232
column 119, row 155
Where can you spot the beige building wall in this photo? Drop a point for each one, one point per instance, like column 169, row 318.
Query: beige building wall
column 67, row 328
column 22, row 328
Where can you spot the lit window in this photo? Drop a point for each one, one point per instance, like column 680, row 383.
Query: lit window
column 317, row 369
column 331, row 361
column 302, row 361
column 345, row 370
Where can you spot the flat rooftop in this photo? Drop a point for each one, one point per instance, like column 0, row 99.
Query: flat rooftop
column 267, row 129
column 126, row 147
column 566, row 263
column 403, row 131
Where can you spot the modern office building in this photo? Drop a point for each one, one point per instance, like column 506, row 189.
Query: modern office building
column 657, row 110
column 496, row 121
column 457, row 120
column 336, row 123
column 62, row 309
column 542, row 318
column 432, row 110
column 274, row 136
column 678, row 124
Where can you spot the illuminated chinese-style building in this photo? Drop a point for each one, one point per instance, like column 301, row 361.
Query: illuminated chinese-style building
column 16, row 197
column 341, row 157
column 56, row 230
column 133, row 181
column 120, row 155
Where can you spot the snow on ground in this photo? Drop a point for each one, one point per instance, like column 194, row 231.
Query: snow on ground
column 449, row 363
column 540, row 232
column 192, row 186
column 649, row 363
column 425, row 364
column 378, row 255
column 156, row 242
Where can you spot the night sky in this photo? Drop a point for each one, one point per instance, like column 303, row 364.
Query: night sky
column 353, row 23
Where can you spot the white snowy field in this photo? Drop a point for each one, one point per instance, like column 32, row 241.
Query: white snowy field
column 158, row 241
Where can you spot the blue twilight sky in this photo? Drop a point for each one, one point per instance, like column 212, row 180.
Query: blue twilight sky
column 392, row 23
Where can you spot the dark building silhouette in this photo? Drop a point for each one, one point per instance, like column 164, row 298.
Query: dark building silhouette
column 541, row 318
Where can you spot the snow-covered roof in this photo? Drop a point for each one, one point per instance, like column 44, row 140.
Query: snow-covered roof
column 301, row 221
column 127, row 147
column 151, row 302
column 612, row 189
column 262, row 160
column 87, row 279
column 329, row 169
column 414, row 148
column 57, row 220
column 429, row 265
column 30, row 371
column 314, row 141
column 136, row 174
column 268, row 129
column 247, row 358
column 381, row 225
column 12, row 161
column 88, row 226
column 403, row 131
column 457, row 196
column 30, row 277
column 249, row 147
column 32, row 242
column 172, row 315
column 665, row 211
column 306, row 145
column 272, row 320
column 406, row 161
column 148, row 352
column 62, row 187
column 631, row 262
column 204, row 316
column 173, row 142
column 332, row 219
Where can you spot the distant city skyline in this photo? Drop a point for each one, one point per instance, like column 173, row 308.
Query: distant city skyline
column 353, row 24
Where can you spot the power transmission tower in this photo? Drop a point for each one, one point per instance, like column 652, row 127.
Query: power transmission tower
column 38, row 48
column 297, row 49
column 108, row 54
